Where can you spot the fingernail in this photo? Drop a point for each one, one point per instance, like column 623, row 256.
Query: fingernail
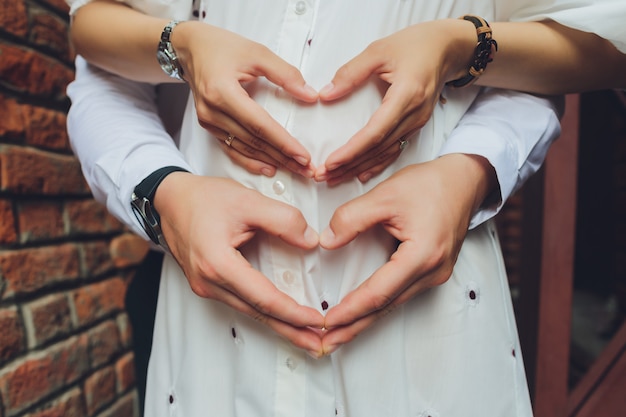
column 332, row 166
column 327, row 88
column 321, row 177
column 327, row 237
column 306, row 172
column 314, row 354
column 310, row 236
column 330, row 349
column 301, row 160
column 268, row 172
column 365, row 177
column 310, row 90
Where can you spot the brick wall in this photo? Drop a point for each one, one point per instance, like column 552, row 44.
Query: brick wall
column 65, row 342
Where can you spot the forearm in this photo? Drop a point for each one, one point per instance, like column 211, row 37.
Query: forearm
column 513, row 132
column 117, row 156
column 119, row 39
column 548, row 58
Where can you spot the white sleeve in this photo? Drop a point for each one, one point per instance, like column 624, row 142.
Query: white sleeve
column 513, row 131
column 166, row 9
column 118, row 137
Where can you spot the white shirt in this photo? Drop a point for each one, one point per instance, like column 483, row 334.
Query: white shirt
column 452, row 351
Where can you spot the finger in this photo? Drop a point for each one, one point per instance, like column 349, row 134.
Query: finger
column 349, row 76
column 405, row 269
column 284, row 75
column 223, row 125
column 284, row 221
column 264, row 165
column 301, row 337
column 393, row 110
column 257, row 123
column 354, row 217
column 233, row 273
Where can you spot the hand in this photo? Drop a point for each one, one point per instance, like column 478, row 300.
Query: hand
column 427, row 208
column 216, row 63
column 204, row 221
column 416, row 71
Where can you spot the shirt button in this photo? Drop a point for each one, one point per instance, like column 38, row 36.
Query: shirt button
column 300, row 7
column 288, row 277
column 291, row 364
column 278, row 187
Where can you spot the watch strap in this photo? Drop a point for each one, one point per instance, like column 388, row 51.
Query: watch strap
column 165, row 45
column 147, row 188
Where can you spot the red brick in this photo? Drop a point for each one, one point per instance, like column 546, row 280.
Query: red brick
column 89, row 216
column 14, row 18
column 31, row 72
column 126, row 406
column 128, row 250
column 12, row 125
column 8, row 229
column 98, row 300
column 125, row 372
column 126, row 333
column 46, row 128
column 38, row 375
column 13, row 340
column 50, row 31
column 47, row 318
column 96, row 259
column 39, row 220
column 70, row 404
column 29, row 270
column 30, row 171
column 104, row 343
column 99, row 389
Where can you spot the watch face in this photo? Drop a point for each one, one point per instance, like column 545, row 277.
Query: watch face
column 165, row 61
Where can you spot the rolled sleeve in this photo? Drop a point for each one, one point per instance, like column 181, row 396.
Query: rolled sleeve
column 118, row 137
column 513, row 131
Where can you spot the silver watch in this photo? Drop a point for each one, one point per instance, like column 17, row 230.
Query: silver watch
column 166, row 55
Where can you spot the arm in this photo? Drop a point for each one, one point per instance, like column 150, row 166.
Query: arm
column 119, row 139
column 215, row 64
column 549, row 58
column 498, row 144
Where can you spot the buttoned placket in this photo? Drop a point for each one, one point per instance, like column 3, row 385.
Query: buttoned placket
column 292, row 44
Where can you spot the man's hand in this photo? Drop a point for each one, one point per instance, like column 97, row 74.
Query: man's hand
column 205, row 220
column 427, row 208
column 416, row 62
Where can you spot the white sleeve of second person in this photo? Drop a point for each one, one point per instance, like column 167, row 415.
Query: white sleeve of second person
column 513, row 131
column 118, row 137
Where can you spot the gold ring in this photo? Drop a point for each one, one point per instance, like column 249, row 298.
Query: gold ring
column 229, row 140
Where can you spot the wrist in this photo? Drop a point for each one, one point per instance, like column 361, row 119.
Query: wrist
column 475, row 173
column 144, row 206
column 460, row 48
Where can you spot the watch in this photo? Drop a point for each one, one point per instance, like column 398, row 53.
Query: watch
column 143, row 207
column 166, row 55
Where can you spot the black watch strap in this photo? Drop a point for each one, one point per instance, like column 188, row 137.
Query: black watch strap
column 143, row 206
column 147, row 188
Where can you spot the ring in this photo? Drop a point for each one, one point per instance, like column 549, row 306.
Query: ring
column 229, row 140
column 403, row 143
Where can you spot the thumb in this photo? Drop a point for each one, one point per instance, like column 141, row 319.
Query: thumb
column 351, row 219
column 283, row 221
column 347, row 78
column 279, row 72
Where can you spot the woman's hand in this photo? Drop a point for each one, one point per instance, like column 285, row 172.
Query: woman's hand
column 216, row 63
column 416, row 62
